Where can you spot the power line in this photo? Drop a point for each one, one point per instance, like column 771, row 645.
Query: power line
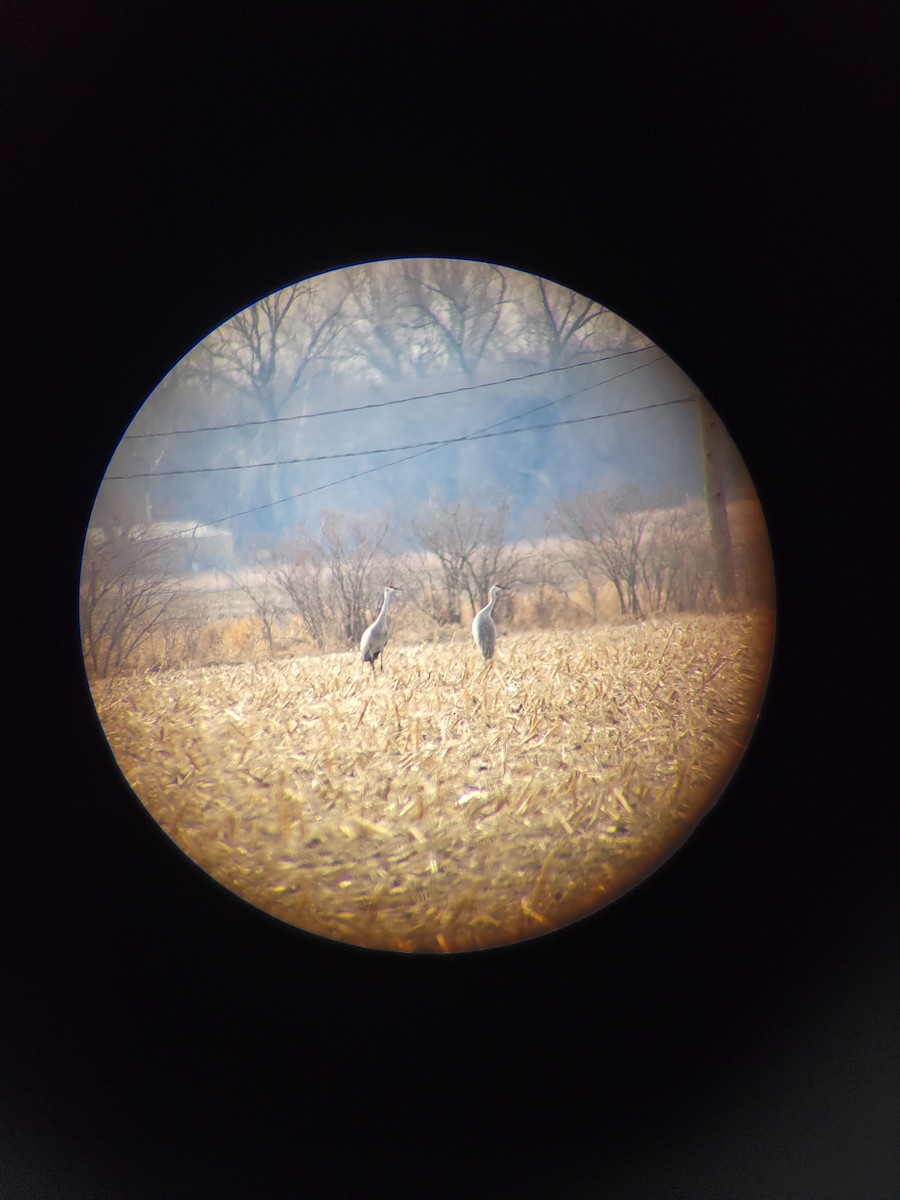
column 246, row 512
column 332, row 412
column 431, row 447
column 434, row 444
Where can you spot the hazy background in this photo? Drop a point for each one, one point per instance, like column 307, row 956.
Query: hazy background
column 393, row 354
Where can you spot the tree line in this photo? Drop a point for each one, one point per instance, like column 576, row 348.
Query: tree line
column 370, row 332
column 651, row 555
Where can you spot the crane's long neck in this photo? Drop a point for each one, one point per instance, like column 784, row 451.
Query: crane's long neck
column 493, row 594
column 384, row 605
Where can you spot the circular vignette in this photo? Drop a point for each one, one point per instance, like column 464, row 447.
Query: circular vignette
column 427, row 605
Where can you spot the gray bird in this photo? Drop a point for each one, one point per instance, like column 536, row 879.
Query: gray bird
column 484, row 631
column 374, row 640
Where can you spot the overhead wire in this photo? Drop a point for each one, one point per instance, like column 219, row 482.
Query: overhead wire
column 433, row 445
column 422, row 449
column 331, row 412
column 378, row 467
column 486, row 432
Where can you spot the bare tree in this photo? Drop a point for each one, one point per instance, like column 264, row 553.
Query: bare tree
column 607, row 529
column 676, row 567
column 419, row 575
column 182, row 630
column 546, row 574
column 470, row 545
column 494, row 558
column 259, row 584
column 444, row 532
column 457, row 305
column 354, row 547
column 559, row 326
column 253, row 370
column 379, row 331
column 302, row 576
column 126, row 591
column 331, row 580
column 266, row 351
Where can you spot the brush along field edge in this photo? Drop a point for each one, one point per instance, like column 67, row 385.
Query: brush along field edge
column 446, row 805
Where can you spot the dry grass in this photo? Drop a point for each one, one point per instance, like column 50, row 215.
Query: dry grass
column 444, row 806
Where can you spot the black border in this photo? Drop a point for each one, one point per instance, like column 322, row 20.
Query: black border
column 725, row 1028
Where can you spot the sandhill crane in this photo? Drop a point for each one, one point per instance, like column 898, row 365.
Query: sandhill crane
column 374, row 640
column 484, row 631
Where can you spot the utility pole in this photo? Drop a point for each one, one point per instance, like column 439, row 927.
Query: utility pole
column 712, row 445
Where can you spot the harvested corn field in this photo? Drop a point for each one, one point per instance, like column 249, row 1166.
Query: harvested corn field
column 444, row 805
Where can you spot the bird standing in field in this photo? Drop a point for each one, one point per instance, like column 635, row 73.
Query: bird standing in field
column 374, row 640
column 484, row 631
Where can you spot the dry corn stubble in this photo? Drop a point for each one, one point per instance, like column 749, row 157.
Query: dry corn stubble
column 445, row 805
